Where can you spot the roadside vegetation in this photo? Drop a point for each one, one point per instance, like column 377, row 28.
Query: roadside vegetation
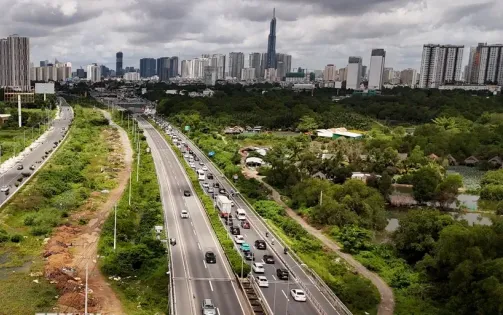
column 137, row 268
column 59, row 189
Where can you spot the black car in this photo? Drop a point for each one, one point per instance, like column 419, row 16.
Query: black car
column 20, row 167
column 249, row 255
column 235, row 230
column 196, row 158
column 222, row 191
column 260, row 244
column 268, row 259
column 216, row 185
column 209, row 176
column 282, row 274
column 210, row 258
column 186, row 193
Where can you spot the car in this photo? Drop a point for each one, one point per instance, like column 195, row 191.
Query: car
column 20, row 167
column 206, row 185
column 234, row 230
column 222, row 191
column 192, row 165
column 208, row 308
column 211, row 190
column 268, row 259
column 245, row 224
column 239, row 239
column 196, row 158
column 282, row 274
column 258, row 267
column 210, row 257
column 201, row 163
column 262, row 281
column 5, row 188
column 216, row 185
column 184, row 214
column 249, row 255
column 298, row 295
column 209, row 176
column 32, row 167
column 260, row 244
column 245, row 247
column 205, row 168
column 186, row 155
column 186, row 193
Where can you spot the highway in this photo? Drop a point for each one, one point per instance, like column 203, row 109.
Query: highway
column 194, row 279
column 60, row 127
column 277, row 294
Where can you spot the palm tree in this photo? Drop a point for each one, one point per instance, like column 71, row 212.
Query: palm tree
column 447, row 123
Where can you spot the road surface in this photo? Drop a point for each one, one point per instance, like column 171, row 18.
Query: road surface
column 194, row 280
column 60, row 127
column 278, row 293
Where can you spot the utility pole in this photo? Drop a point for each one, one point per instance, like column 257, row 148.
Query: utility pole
column 130, row 175
column 138, row 164
column 115, row 227
column 321, row 197
column 85, row 306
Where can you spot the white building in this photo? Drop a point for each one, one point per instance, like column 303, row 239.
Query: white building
column 94, row 73
column 210, row 75
column 15, row 61
column 354, row 73
column 270, row 75
column 440, row 64
column 131, row 76
column 248, row 74
column 254, row 62
column 329, row 73
column 485, row 64
column 408, row 77
column 377, row 60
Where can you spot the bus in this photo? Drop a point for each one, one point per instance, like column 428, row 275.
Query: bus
column 200, row 175
column 241, row 214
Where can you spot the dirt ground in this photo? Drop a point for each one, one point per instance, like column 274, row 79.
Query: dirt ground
column 74, row 246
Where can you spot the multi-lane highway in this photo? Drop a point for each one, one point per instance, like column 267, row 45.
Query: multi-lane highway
column 194, row 279
column 277, row 294
column 34, row 158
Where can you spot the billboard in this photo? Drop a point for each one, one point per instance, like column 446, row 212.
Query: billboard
column 44, row 88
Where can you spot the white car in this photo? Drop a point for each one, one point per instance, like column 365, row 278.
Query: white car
column 184, row 214
column 262, row 281
column 4, row 188
column 258, row 267
column 205, row 168
column 206, row 185
column 186, row 155
column 192, row 165
column 239, row 239
column 298, row 295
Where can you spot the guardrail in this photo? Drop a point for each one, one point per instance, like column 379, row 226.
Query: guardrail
column 320, row 284
column 256, row 288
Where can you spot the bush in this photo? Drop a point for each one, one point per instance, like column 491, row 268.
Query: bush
column 16, row 238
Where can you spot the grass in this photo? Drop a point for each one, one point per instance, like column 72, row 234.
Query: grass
column 143, row 290
column 58, row 189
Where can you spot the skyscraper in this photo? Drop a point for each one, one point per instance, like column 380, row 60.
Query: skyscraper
column 147, row 67
column 254, row 62
column 364, row 72
column 93, row 73
column 271, row 44
column 329, row 73
column 283, row 65
column 118, row 64
column 173, row 67
column 485, row 65
column 263, row 64
column 354, row 73
column 163, row 69
column 15, row 61
column 236, row 64
column 440, row 64
column 218, row 62
column 377, row 60
column 408, row 77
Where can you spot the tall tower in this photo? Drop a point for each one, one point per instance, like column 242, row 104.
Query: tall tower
column 377, row 61
column 118, row 64
column 15, row 61
column 271, row 44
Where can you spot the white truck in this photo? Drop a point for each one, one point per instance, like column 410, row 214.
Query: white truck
column 224, row 206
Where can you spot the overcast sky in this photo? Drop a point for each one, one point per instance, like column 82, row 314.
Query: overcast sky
column 314, row 32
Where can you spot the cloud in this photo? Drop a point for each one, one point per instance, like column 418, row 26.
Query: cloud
column 315, row 32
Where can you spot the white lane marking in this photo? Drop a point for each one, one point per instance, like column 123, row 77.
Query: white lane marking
column 205, row 266
column 194, row 232
column 218, row 311
column 286, row 296
column 199, row 246
column 274, row 277
column 191, row 223
column 211, row 287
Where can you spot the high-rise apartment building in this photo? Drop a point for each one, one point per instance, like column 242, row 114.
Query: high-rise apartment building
column 440, row 64
column 163, row 68
column 218, row 62
column 15, row 61
column 329, row 73
column 236, row 64
column 210, row 75
column 354, row 73
column 485, row 64
column 248, row 74
column 271, row 43
column 364, row 72
column 283, row 65
column 119, row 71
column 377, row 60
column 147, row 67
column 173, row 67
column 408, row 77
column 254, row 62
column 341, row 75
column 387, row 75
column 94, row 73
column 263, row 64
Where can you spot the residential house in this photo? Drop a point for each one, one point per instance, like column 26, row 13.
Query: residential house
column 335, row 133
column 452, row 161
column 496, row 161
column 471, row 161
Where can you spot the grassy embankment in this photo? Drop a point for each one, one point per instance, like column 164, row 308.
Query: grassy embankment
column 140, row 259
column 61, row 187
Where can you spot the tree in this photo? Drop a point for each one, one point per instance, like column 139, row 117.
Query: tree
column 425, row 182
column 447, row 191
column 355, row 239
column 418, row 232
column 307, row 123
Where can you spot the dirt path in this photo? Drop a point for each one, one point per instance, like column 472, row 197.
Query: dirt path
column 71, row 248
column 387, row 304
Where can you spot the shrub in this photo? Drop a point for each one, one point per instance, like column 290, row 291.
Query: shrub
column 16, row 238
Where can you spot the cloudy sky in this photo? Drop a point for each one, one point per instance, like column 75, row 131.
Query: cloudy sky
column 314, row 32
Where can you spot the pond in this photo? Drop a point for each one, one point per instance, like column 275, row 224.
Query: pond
column 472, row 218
column 402, row 196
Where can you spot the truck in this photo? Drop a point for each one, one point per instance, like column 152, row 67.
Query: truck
column 223, row 205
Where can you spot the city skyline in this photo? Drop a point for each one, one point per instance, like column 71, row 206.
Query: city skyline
column 315, row 34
